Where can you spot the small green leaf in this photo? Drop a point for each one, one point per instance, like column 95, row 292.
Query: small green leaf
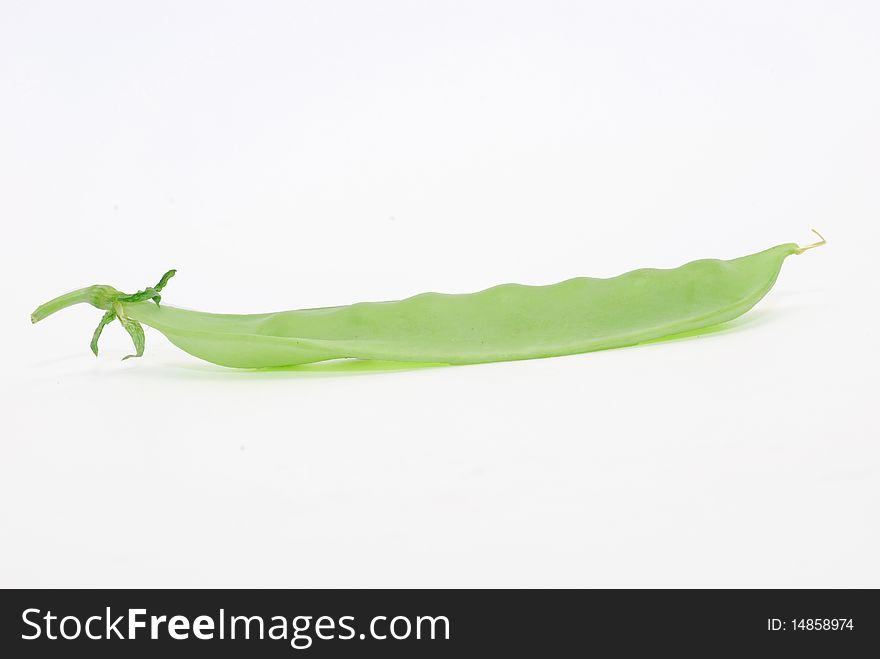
column 105, row 320
column 168, row 275
column 150, row 293
column 136, row 332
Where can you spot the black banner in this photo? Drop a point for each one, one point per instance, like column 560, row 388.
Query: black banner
column 433, row 623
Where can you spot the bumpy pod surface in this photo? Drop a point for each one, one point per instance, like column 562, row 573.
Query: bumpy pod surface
column 507, row 322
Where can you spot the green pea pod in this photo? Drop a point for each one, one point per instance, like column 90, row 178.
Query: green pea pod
column 503, row 323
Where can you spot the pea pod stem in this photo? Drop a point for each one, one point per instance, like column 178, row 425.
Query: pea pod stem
column 101, row 297
column 113, row 302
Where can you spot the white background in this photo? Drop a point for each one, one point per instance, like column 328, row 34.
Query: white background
column 297, row 154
